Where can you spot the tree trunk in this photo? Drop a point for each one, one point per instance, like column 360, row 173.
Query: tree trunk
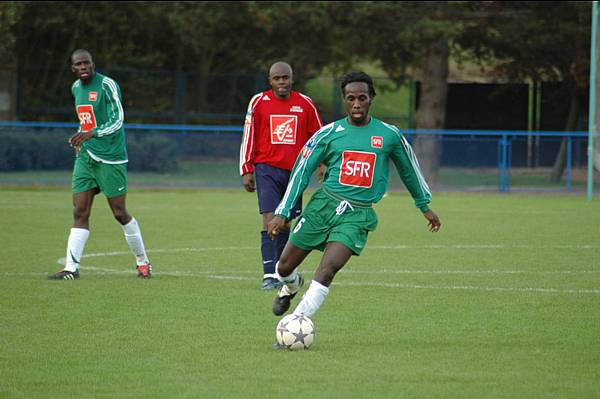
column 431, row 113
column 561, row 158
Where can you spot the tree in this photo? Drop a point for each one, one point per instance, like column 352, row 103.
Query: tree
column 540, row 41
column 418, row 38
column 10, row 13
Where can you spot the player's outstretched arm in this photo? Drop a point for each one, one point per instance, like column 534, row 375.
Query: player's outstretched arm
column 434, row 221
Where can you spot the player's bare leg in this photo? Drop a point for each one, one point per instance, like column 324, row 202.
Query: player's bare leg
column 133, row 235
column 335, row 257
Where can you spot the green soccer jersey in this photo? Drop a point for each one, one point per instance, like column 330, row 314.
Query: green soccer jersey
column 99, row 109
column 357, row 164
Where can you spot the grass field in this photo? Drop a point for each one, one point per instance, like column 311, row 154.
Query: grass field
column 503, row 302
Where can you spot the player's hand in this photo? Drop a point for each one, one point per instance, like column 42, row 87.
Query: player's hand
column 276, row 224
column 249, row 185
column 434, row 221
column 78, row 139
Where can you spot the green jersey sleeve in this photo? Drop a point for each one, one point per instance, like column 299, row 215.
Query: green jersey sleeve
column 308, row 160
column 409, row 170
column 114, row 109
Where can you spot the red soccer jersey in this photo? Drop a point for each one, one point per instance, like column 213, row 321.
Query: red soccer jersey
column 275, row 130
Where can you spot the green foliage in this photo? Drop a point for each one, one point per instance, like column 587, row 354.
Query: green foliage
column 10, row 14
column 538, row 40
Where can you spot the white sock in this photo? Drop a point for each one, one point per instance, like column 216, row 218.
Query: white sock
column 312, row 299
column 292, row 282
column 75, row 245
column 133, row 235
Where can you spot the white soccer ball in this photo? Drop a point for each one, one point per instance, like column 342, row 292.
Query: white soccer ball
column 295, row 332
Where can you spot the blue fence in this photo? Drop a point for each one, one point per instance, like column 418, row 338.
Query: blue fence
column 504, row 144
column 498, row 151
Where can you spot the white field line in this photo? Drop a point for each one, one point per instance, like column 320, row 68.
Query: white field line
column 214, row 276
column 473, row 288
column 234, row 275
column 384, row 247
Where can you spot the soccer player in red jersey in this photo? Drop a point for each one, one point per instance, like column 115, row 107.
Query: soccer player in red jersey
column 278, row 123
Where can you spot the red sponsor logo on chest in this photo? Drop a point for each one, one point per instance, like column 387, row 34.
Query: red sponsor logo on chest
column 93, row 96
column 357, row 168
column 376, row 141
column 283, row 129
column 87, row 120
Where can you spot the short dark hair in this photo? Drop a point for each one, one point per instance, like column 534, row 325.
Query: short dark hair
column 352, row 77
column 80, row 51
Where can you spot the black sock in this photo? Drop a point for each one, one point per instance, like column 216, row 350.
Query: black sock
column 267, row 249
column 280, row 240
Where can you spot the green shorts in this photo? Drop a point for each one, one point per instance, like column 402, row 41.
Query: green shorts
column 88, row 174
column 320, row 223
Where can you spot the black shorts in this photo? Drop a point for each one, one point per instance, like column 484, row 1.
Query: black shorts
column 271, row 183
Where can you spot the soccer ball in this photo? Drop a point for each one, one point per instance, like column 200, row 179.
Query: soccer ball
column 295, row 332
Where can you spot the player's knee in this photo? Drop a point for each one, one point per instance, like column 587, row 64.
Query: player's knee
column 81, row 214
column 121, row 215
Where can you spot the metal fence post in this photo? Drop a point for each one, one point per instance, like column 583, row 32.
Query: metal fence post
column 500, row 165
column 508, row 163
column 569, row 161
column 503, row 164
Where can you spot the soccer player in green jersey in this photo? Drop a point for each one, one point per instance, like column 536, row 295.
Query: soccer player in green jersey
column 339, row 216
column 101, row 164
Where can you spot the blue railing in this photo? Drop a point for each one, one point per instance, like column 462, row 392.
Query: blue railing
column 505, row 148
column 504, row 140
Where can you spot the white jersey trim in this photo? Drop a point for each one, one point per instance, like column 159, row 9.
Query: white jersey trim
column 247, row 139
column 98, row 159
column 116, row 108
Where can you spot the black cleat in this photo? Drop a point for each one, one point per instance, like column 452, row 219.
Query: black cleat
column 64, row 275
column 282, row 301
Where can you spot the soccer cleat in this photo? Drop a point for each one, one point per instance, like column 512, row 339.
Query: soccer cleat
column 64, row 275
column 144, row 271
column 271, row 283
column 284, row 298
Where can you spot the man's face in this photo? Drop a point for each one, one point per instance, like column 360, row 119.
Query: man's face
column 83, row 66
column 358, row 101
column 281, row 81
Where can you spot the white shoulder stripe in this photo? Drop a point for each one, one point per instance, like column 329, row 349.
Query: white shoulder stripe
column 391, row 127
column 254, row 101
column 313, row 106
column 117, row 108
column 247, row 145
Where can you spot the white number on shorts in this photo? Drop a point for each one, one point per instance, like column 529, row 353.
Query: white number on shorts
column 299, row 225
